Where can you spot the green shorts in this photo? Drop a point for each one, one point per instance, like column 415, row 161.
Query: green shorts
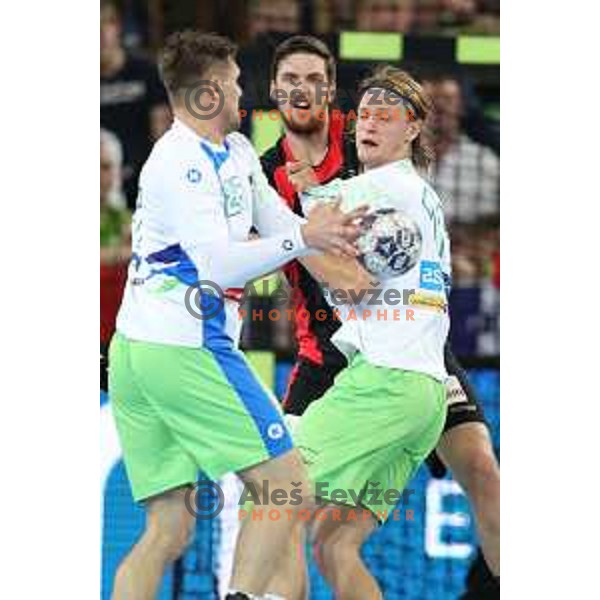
column 370, row 432
column 180, row 410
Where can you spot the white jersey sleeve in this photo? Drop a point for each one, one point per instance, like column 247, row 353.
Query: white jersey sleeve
column 270, row 215
column 203, row 231
column 432, row 207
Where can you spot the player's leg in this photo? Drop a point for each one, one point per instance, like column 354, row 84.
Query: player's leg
column 468, row 452
column 395, row 466
column 466, row 448
column 308, row 383
column 336, row 548
column 213, row 414
column 480, row 583
column 159, row 473
column 297, row 565
column 375, row 426
column 257, row 445
column 290, row 579
column 168, row 532
column 268, row 540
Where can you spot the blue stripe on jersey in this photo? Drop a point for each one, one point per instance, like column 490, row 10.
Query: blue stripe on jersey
column 217, row 157
column 183, row 268
column 171, row 253
column 260, row 407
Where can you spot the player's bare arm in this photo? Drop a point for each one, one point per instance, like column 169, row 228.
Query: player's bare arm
column 331, row 230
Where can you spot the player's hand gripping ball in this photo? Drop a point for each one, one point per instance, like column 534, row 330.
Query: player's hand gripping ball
column 390, row 244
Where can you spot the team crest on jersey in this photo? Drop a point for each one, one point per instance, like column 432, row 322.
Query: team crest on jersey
column 275, row 431
column 193, row 175
column 233, row 192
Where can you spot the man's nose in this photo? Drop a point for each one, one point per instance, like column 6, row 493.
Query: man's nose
column 372, row 120
column 305, row 89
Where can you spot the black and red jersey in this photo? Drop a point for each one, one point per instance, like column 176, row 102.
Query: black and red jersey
column 313, row 317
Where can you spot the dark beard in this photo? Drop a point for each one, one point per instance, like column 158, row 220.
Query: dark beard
column 305, row 126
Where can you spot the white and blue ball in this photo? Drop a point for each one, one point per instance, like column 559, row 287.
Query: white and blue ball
column 390, row 244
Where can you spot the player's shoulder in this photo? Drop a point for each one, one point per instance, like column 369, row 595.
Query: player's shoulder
column 416, row 181
column 175, row 156
column 423, row 191
column 174, row 144
column 429, row 192
column 322, row 194
column 398, row 183
column 240, row 144
column 397, row 175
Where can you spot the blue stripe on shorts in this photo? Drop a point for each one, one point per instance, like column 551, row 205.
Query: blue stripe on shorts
column 266, row 417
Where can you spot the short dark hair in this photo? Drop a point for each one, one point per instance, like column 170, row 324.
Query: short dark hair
column 187, row 56
column 306, row 44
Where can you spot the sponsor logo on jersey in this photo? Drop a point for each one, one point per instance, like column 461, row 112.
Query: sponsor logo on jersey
column 432, row 277
column 233, row 192
column 426, row 300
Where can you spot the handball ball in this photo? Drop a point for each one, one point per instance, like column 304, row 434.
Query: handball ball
column 390, row 244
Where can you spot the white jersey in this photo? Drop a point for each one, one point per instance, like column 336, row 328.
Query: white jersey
column 196, row 205
column 406, row 325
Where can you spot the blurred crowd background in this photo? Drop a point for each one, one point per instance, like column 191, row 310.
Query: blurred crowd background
column 451, row 45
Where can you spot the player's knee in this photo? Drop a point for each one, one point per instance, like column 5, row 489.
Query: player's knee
column 291, row 492
column 332, row 554
column 285, row 478
column 174, row 542
column 301, row 489
column 172, row 535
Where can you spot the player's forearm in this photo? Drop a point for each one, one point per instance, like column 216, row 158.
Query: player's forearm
column 271, row 213
column 337, row 273
column 237, row 263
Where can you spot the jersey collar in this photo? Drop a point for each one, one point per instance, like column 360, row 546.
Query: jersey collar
column 217, row 154
column 182, row 127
